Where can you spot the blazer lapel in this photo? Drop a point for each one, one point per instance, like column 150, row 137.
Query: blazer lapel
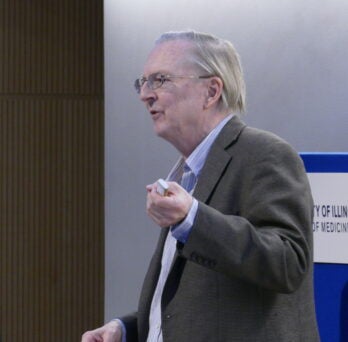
column 218, row 159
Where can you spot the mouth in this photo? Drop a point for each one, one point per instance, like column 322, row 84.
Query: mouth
column 155, row 114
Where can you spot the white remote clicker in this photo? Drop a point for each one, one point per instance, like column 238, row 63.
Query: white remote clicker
column 162, row 187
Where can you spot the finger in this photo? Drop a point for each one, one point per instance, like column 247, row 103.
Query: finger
column 149, row 187
column 175, row 188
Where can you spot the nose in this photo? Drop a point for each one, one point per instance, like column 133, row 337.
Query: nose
column 146, row 93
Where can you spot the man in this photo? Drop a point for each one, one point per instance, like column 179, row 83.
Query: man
column 234, row 257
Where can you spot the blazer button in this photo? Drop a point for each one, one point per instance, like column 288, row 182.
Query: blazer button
column 167, row 316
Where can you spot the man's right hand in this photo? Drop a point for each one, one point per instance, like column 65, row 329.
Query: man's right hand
column 110, row 332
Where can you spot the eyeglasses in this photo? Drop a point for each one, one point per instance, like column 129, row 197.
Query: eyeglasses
column 155, row 81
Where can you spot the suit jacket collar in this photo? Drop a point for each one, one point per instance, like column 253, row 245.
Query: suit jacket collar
column 218, row 158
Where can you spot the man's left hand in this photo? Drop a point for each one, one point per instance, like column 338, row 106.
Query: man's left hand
column 170, row 209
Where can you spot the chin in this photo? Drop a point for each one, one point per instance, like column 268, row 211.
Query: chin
column 161, row 134
column 159, row 130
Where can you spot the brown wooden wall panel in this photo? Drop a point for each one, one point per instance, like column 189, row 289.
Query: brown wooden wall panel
column 51, row 217
column 51, row 46
column 51, row 169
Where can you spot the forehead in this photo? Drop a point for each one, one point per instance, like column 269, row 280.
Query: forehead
column 169, row 56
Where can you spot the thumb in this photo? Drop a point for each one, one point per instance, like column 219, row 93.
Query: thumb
column 175, row 187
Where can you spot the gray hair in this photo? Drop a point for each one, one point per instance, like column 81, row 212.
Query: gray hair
column 217, row 57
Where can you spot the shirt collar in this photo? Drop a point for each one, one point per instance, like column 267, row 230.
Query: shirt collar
column 197, row 158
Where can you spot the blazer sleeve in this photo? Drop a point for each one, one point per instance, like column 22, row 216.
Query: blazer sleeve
column 130, row 323
column 256, row 224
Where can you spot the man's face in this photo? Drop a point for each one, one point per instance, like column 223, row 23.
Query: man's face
column 177, row 106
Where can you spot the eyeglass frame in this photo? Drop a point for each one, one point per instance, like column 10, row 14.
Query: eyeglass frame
column 139, row 82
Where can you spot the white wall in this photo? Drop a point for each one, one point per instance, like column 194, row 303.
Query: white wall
column 295, row 59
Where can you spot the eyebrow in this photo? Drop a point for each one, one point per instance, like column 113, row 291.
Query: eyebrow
column 159, row 72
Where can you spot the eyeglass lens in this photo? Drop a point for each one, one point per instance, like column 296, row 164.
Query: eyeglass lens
column 154, row 81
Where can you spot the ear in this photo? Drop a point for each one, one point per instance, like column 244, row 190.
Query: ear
column 214, row 91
